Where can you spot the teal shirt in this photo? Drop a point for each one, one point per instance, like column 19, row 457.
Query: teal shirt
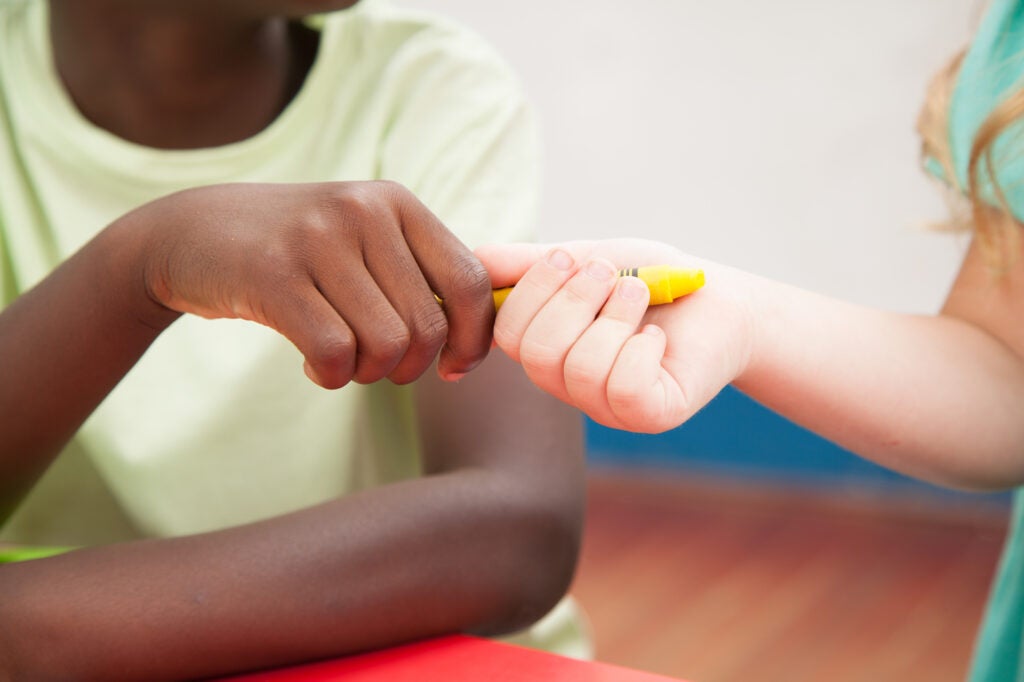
column 998, row 650
column 993, row 69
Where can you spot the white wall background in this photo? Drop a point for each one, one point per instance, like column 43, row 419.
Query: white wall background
column 777, row 136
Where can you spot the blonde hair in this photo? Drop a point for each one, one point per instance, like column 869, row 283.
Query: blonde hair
column 997, row 231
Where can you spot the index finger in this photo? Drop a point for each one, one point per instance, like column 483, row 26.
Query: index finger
column 507, row 263
column 459, row 279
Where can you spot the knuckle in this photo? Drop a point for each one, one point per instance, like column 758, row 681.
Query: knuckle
column 541, row 356
column 428, row 327
column 332, row 350
column 352, row 204
column 628, row 397
column 406, row 375
column 392, row 188
column 388, row 346
column 579, row 292
column 468, row 277
column 645, row 409
column 395, row 194
column 580, row 370
column 409, row 370
column 333, row 358
column 305, row 239
column 334, row 377
column 507, row 340
column 355, row 209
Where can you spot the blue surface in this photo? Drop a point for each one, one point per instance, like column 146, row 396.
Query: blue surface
column 735, row 436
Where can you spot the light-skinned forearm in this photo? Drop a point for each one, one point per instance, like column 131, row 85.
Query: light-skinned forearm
column 936, row 397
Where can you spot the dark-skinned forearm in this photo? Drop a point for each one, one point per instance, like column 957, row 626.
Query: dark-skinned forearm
column 65, row 344
column 465, row 551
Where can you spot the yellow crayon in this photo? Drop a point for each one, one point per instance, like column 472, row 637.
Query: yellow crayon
column 666, row 283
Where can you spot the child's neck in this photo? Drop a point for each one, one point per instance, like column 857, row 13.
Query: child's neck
column 172, row 81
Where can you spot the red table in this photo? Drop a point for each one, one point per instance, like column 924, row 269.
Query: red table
column 454, row 659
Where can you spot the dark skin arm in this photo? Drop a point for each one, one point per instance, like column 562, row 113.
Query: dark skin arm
column 485, row 543
column 476, row 546
column 346, row 271
column 49, row 386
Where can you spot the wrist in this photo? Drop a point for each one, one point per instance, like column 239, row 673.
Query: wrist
column 128, row 244
column 776, row 338
column 746, row 304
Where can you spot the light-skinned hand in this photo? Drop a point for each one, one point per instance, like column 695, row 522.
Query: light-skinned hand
column 589, row 338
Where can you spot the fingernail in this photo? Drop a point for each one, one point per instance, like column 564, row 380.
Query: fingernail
column 600, row 270
column 633, row 289
column 652, row 330
column 560, row 259
column 454, row 376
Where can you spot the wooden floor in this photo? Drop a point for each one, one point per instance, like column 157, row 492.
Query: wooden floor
column 715, row 584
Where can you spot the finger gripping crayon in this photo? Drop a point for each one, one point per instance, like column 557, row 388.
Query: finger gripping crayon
column 665, row 282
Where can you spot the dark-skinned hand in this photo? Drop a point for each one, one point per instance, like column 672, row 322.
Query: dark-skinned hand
column 347, row 271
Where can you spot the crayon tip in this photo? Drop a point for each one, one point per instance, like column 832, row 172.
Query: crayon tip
column 668, row 283
column 685, row 282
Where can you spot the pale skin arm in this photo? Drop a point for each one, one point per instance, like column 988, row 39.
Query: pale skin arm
column 938, row 397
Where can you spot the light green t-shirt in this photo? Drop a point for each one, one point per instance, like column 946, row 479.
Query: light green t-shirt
column 217, row 425
column 993, row 69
